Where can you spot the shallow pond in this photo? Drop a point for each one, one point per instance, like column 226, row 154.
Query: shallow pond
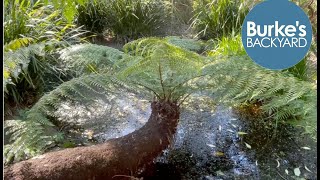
column 211, row 142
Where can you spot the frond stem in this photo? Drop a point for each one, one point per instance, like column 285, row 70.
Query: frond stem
column 161, row 81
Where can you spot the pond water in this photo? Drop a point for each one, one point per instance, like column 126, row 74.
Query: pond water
column 212, row 141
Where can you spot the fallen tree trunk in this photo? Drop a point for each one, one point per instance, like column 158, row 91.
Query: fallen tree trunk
column 116, row 159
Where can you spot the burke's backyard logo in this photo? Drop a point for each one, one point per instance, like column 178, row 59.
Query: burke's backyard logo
column 265, row 33
column 276, row 34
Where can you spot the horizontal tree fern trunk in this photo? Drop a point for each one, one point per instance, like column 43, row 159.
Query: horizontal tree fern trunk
column 116, row 159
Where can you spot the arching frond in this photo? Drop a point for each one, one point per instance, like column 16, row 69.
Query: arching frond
column 238, row 79
column 88, row 58
column 163, row 68
column 37, row 132
column 188, row 44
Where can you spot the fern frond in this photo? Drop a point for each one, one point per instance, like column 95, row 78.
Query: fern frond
column 188, row 44
column 31, row 136
column 238, row 79
column 25, row 141
column 88, row 58
column 161, row 66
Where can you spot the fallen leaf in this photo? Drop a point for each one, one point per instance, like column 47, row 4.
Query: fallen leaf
column 287, row 172
column 248, row 145
column 220, row 173
column 230, row 130
column 297, row 171
column 278, row 163
column 217, row 153
column 306, row 148
column 242, row 133
column 211, row 145
column 307, row 168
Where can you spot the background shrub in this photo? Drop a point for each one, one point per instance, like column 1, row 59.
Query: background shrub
column 216, row 18
column 93, row 16
column 124, row 19
column 33, row 31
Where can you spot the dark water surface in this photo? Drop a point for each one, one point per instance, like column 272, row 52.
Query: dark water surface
column 212, row 142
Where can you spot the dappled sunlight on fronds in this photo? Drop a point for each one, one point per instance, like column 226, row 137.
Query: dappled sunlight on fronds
column 284, row 97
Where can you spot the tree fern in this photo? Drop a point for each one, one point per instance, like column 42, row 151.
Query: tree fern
column 163, row 68
column 169, row 72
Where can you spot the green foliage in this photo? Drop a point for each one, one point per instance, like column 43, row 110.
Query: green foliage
column 168, row 72
column 88, row 58
column 181, row 10
column 213, row 18
column 136, row 18
column 15, row 68
column 188, row 44
column 300, row 70
column 38, row 131
column 67, row 7
column 69, row 144
column 164, row 69
column 228, row 46
column 232, row 46
column 284, row 98
column 27, row 139
column 38, row 22
column 32, row 32
column 17, row 43
column 15, row 20
column 123, row 18
column 93, row 15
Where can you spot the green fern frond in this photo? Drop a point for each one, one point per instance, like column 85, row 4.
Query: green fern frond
column 188, row 44
column 32, row 135
column 238, row 79
column 25, row 140
column 161, row 66
column 88, row 58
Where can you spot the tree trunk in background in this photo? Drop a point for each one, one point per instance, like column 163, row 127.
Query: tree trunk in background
column 116, row 159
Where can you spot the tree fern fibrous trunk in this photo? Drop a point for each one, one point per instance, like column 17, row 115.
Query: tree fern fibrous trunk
column 116, row 159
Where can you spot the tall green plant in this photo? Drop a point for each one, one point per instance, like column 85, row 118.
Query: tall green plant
column 33, row 31
column 228, row 46
column 215, row 18
column 67, row 7
column 124, row 19
column 93, row 15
